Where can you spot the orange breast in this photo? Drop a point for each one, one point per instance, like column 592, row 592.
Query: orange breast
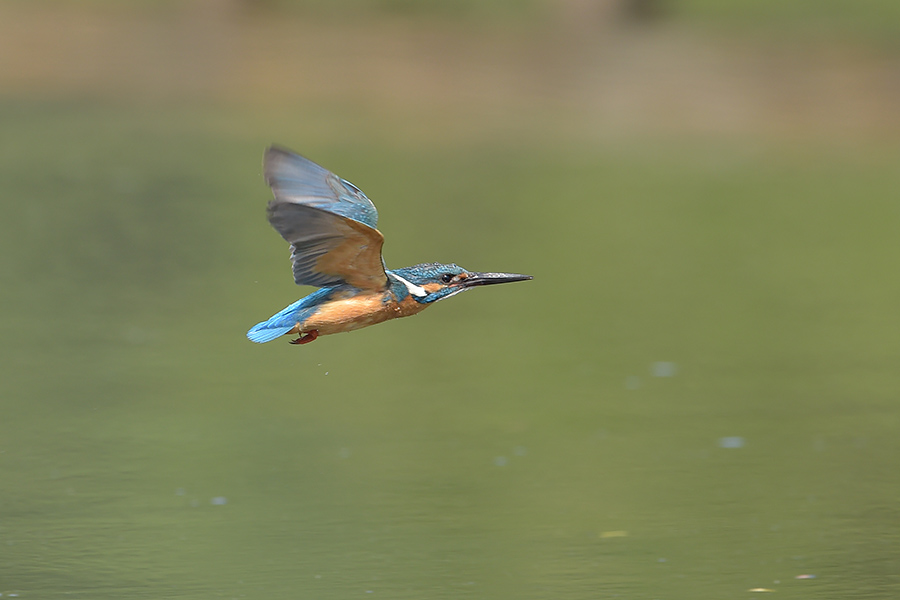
column 357, row 312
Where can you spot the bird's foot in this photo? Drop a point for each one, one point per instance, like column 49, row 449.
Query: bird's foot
column 305, row 339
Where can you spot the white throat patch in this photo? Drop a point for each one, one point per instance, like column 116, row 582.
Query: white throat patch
column 413, row 289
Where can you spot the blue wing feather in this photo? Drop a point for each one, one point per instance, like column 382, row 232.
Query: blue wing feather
column 329, row 223
column 301, row 181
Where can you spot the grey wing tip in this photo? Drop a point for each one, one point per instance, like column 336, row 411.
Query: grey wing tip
column 272, row 158
column 280, row 162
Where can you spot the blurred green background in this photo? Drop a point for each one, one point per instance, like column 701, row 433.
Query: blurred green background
column 696, row 397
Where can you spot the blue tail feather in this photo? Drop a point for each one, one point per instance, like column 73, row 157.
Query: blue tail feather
column 279, row 324
column 266, row 332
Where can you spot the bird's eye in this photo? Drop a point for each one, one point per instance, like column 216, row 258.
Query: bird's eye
column 447, row 277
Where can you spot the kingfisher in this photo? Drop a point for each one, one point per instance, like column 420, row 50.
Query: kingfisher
column 330, row 225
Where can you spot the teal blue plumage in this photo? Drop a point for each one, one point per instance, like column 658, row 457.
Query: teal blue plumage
column 330, row 225
column 284, row 320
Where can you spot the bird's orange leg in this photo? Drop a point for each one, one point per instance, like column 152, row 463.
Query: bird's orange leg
column 305, row 339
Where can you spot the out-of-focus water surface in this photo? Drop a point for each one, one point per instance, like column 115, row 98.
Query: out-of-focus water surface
column 696, row 397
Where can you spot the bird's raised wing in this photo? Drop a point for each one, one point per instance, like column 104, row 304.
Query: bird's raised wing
column 329, row 223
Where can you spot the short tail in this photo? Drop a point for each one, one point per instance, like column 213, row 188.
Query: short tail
column 266, row 332
column 284, row 320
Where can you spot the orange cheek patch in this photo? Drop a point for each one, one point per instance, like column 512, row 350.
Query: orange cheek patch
column 432, row 287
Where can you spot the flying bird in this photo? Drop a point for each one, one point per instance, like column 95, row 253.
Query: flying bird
column 330, row 225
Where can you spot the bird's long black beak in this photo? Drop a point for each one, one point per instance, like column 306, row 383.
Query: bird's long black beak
column 475, row 279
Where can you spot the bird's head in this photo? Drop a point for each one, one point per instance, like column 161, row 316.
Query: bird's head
column 430, row 282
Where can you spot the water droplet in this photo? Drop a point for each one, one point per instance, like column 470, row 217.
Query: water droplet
column 219, row 500
column 500, row 461
column 664, row 369
column 731, row 442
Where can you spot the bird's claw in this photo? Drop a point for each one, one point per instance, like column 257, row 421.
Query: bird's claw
column 305, row 339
